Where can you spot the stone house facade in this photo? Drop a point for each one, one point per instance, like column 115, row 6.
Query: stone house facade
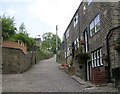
column 93, row 32
column 71, row 38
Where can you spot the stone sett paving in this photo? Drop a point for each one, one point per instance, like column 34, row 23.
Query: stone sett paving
column 45, row 76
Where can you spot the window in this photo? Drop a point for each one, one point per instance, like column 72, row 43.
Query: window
column 101, row 62
column 92, row 59
column 75, row 19
column 97, row 58
column 89, row 1
column 67, row 33
column 78, row 42
column 65, row 54
column 84, row 8
column 75, row 44
column 95, row 25
column 92, row 28
column 68, row 51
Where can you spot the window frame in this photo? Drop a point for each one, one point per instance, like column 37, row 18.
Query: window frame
column 92, row 55
column 75, row 19
column 68, row 51
column 68, row 33
column 97, row 21
column 89, row 2
column 96, row 58
column 93, row 25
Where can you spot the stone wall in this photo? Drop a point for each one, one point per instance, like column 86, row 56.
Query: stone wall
column 61, row 57
column 15, row 45
column 15, row 58
column 14, row 61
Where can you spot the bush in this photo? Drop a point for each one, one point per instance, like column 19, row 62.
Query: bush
column 43, row 54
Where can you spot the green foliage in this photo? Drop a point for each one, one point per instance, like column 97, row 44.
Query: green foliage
column 43, row 54
column 80, row 49
column 8, row 27
column 71, row 62
column 24, row 38
column 22, row 29
column 9, row 32
column 49, row 42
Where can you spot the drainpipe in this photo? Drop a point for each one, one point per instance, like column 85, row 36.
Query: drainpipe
column 108, row 52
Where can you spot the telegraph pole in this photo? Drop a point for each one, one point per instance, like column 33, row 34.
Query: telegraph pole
column 56, row 41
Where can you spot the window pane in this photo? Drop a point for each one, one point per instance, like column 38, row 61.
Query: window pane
column 92, row 55
column 92, row 29
column 95, row 63
column 97, row 20
column 89, row 1
column 97, row 23
column 98, row 58
column 92, row 25
column 97, row 27
column 75, row 20
column 76, row 44
column 67, row 33
column 65, row 54
column 101, row 62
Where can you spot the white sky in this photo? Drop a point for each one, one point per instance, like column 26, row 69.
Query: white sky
column 41, row 16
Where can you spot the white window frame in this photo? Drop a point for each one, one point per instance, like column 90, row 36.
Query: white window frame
column 75, row 44
column 97, row 22
column 89, row 1
column 65, row 54
column 68, row 52
column 67, row 33
column 75, row 19
column 78, row 42
column 93, row 25
column 92, row 55
column 101, row 61
column 97, row 58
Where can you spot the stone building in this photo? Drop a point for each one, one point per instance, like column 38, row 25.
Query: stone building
column 38, row 42
column 92, row 41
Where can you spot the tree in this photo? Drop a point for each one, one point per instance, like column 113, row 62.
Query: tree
column 8, row 27
column 49, row 41
column 22, row 29
column 25, row 39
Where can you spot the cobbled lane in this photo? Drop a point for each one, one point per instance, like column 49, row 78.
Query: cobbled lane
column 45, row 76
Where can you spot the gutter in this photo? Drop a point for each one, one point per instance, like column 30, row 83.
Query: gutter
column 108, row 52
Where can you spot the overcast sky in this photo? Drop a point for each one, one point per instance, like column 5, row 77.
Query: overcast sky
column 40, row 16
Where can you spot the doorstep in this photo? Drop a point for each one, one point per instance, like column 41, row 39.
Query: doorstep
column 87, row 86
column 82, row 82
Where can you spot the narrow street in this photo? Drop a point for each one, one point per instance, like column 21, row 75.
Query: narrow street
column 45, row 76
